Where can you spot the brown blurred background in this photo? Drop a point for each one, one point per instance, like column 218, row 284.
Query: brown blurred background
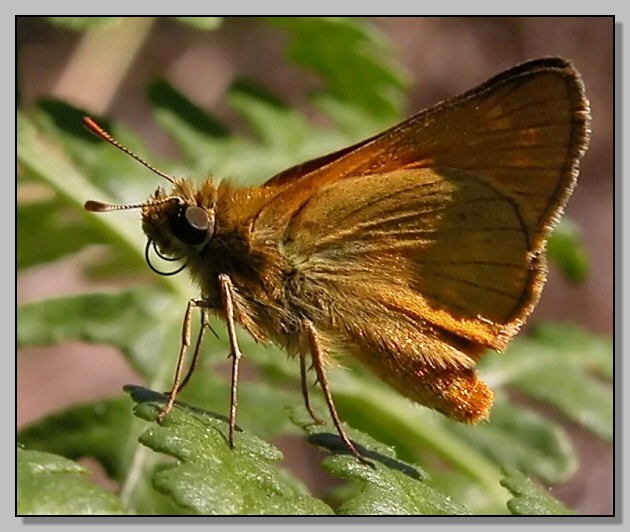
column 443, row 56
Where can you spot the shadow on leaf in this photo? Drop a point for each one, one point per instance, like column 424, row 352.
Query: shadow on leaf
column 334, row 444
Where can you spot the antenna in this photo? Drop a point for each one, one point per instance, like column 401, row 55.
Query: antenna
column 100, row 132
column 98, row 206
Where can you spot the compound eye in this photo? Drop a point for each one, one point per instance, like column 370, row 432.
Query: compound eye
column 191, row 225
column 197, row 218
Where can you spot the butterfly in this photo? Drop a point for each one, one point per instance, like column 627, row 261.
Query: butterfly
column 414, row 251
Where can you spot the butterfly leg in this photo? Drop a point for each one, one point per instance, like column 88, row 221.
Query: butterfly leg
column 193, row 363
column 307, row 401
column 182, row 355
column 227, row 296
column 318, row 356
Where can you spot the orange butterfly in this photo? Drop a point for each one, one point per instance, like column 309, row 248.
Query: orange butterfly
column 414, row 250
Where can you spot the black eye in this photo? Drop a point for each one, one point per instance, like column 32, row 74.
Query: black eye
column 191, row 224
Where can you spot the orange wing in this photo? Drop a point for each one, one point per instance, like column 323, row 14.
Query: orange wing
column 435, row 247
column 418, row 248
column 447, row 212
column 523, row 131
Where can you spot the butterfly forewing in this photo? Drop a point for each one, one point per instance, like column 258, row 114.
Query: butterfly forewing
column 460, row 242
column 524, row 128
column 420, row 245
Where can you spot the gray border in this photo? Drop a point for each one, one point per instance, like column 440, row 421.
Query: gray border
column 473, row 522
